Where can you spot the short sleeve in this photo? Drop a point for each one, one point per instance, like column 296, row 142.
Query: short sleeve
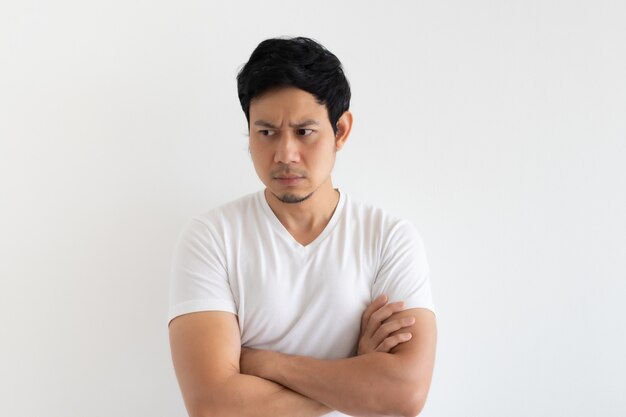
column 199, row 277
column 403, row 273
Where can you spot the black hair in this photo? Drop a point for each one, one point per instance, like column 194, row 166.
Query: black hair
column 295, row 62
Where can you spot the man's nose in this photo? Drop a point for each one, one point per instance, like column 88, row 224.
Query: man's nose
column 287, row 149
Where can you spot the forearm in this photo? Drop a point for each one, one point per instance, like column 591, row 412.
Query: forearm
column 251, row 396
column 368, row 385
column 206, row 354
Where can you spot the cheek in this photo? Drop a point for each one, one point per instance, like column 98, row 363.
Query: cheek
column 257, row 153
column 257, row 161
column 324, row 158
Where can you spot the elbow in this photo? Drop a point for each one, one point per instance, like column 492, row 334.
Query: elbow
column 412, row 393
column 408, row 404
column 209, row 412
column 414, row 405
column 393, row 404
column 206, row 409
column 398, row 397
column 200, row 410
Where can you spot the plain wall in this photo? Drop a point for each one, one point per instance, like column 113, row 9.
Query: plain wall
column 497, row 127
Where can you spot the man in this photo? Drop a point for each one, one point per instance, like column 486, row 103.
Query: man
column 297, row 300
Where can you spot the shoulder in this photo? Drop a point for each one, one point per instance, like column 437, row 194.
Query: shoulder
column 228, row 216
column 383, row 232
column 372, row 217
column 231, row 210
column 223, row 220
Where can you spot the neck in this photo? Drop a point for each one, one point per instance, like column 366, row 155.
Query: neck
column 305, row 220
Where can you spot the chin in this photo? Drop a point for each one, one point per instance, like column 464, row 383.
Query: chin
column 290, row 198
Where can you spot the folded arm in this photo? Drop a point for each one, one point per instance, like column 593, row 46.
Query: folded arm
column 206, row 350
column 371, row 384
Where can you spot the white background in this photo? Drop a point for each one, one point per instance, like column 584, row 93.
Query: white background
column 497, row 127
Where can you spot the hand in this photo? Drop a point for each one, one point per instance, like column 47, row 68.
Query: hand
column 378, row 334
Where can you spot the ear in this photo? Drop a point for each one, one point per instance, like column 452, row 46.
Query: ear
column 344, row 125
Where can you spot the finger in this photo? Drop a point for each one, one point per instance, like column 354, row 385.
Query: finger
column 379, row 302
column 383, row 314
column 393, row 341
column 386, row 311
column 392, row 326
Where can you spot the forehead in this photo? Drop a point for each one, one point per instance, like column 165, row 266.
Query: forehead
column 286, row 103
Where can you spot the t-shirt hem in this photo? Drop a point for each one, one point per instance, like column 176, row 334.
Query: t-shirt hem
column 195, row 306
column 413, row 304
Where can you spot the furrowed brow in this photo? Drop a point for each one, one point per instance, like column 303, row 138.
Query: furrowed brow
column 304, row 123
column 263, row 123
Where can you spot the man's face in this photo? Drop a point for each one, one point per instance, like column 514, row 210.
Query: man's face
column 292, row 143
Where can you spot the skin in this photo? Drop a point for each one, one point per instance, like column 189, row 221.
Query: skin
column 372, row 384
column 293, row 149
column 218, row 377
column 206, row 348
column 291, row 137
column 379, row 332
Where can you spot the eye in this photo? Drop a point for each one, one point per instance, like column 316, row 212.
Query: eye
column 267, row 132
column 305, row 132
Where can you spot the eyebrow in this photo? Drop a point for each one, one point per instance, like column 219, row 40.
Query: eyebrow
column 301, row 124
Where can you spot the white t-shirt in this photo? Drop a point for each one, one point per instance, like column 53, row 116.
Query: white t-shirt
column 304, row 300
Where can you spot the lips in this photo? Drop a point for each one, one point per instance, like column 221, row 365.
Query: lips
column 288, row 180
column 287, row 174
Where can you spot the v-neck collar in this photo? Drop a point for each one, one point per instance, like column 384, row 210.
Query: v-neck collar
column 284, row 233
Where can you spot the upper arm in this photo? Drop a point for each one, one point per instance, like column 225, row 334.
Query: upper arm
column 417, row 356
column 199, row 278
column 403, row 273
column 205, row 349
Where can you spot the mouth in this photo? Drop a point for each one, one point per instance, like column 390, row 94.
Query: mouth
column 288, row 180
column 287, row 174
column 287, row 177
